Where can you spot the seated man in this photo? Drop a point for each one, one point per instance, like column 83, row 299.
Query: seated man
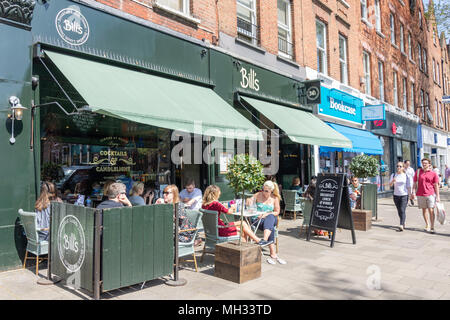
column 117, row 197
column 191, row 196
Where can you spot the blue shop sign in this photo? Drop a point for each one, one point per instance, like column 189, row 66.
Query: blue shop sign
column 339, row 104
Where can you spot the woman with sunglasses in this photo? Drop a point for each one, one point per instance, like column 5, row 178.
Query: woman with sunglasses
column 402, row 190
column 172, row 195
column 268, row 203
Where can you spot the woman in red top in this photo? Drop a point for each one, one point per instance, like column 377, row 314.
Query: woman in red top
column 210, row 202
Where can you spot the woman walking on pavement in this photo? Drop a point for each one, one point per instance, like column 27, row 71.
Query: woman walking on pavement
column 402, row 184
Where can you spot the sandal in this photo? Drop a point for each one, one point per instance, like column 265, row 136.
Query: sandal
column 270, row 261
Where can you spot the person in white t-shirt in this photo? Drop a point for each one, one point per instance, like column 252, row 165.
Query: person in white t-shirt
column 402, row 190
column 410, row 173
column 191, row 196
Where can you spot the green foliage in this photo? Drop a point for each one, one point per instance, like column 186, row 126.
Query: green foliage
column 364, row 166
column 245, row 173
column 51, row 172
column 439, row 15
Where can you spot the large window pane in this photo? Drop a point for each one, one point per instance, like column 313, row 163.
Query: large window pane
column 283, row 12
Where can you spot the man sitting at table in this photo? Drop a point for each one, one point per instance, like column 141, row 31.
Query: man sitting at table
column 191, row 196
column 117, row 197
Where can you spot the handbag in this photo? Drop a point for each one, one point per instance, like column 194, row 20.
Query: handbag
column 440, row 212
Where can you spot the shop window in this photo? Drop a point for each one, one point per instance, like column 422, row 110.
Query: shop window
column 321, row 41
column 285, row 46
column 247, row 25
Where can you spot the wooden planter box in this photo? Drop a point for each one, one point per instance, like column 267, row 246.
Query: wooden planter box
column 362, row 219
column 237, row 263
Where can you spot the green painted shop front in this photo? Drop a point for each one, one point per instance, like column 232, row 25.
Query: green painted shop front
column 109, row 42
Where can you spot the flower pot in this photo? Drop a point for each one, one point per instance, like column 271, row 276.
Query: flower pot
column 237, row 263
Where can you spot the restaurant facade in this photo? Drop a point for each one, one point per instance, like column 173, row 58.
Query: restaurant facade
column 101, row 104
column 398, row 135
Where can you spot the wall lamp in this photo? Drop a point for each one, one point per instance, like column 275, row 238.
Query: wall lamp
column 16, row 114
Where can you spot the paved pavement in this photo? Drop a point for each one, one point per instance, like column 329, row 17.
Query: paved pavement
column 384, row 264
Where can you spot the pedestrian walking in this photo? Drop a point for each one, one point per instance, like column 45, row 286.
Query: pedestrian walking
column 426, row 187
column 409, row 172
column 402, row 184
column 447, row 176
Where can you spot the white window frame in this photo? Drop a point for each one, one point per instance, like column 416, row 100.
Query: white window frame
column 392, row 26
column 377, row 16
column 412, row 105
column 364, row 9
column 422, row 103
column 395, row 87
column 381, row 79
column 410, row 49
column 186, row 10
column 343, row 63
column 438, row 79
column 434, row 70
column 419, row 49
column 402, row 38
column 366, row 68
column 323, row 51
column 436, row 112
column 420, row 19
column 424, row 58
column 404, row 94
column 252, row 18
column 287, row 28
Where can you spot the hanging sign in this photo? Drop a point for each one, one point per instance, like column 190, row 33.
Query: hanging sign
column 373, row 112
column 331, row 206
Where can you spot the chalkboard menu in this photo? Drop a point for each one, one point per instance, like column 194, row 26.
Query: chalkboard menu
column 331, row 205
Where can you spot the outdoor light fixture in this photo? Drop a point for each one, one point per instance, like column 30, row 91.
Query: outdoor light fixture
column 16, row 114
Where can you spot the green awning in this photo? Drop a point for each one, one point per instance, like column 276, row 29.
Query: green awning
column 153, row 100
column 300, row 126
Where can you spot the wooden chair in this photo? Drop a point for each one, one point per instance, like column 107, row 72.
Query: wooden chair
column 34, row 245
column 188, row 248
column 211, row 226
column 293, row 203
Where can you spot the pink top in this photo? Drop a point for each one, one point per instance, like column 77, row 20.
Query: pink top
column 217, row 206
column 427, row 179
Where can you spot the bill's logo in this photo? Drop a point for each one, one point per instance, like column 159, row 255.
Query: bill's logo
column 72, row 26
column 71, row 243
column 249, row 79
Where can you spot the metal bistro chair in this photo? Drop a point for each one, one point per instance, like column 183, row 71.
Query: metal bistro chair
column 187, row 248
column 275, row 232
column 211, row 226
column 293, row 203
column 34, row 245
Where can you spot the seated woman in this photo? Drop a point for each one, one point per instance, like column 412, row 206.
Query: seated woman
column 42, row 208
column 210, row 202
column 136, row 198
column 268, row 202
column 296, row 186
column 171, row 195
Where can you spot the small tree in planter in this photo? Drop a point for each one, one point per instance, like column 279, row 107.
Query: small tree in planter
column 364, row 166
column 245, row 173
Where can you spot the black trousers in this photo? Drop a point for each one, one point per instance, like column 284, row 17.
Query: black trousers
column 401, row 203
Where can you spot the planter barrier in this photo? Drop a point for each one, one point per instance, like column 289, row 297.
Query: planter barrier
column 369, row 198
column 103, row 250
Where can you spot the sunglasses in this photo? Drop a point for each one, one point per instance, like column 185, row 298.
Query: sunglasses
column 399, row 166
column 167, row 192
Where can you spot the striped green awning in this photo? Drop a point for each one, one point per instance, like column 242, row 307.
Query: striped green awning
column 153, row 100
column 300, row 126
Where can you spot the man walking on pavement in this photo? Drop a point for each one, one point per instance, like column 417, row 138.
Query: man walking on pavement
column 426, row 187
column 410, row 173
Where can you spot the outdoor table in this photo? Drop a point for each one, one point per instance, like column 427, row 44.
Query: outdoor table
column 249, row 214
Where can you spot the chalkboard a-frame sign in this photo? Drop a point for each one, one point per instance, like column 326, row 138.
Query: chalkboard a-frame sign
column 331, row 205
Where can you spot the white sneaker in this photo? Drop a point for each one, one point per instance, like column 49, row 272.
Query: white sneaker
column 270, row 261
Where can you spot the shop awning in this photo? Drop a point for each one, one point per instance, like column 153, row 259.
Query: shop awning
column 153, row 100
column 300, row 126
column 362, row 140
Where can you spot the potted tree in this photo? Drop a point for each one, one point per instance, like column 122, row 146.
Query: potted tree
column 364, row 167
column 241, row 261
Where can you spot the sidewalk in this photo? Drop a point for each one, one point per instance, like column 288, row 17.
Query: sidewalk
column 411, row 265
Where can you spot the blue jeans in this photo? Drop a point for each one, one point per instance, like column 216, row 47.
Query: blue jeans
column 267, row 223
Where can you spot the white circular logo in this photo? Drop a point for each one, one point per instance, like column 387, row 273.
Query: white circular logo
column 71, row 243
column 72, row 26
column 312, row 93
